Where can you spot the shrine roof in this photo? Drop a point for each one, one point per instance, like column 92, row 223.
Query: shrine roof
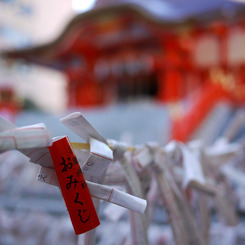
column 160, row 14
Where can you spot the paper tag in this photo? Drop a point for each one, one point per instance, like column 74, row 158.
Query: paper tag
column 192, row 167
column 119, row 148
column 79, row 125
column 103, row 192
column 24, row 138
column 100, row 153
column 39, row 156
column 99, row 159
column 73, row 187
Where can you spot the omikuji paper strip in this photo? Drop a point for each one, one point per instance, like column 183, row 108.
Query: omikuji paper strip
column 73, row 187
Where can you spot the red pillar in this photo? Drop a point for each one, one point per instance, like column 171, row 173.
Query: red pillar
column 169, row 71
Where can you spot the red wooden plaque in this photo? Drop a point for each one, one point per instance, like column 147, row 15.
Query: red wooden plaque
column 73, row 187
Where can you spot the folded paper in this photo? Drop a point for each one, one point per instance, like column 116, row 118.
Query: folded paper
column 106, row 193
column 25, row 138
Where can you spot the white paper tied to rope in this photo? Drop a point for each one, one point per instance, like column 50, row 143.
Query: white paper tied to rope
column 100, row 155
column 193, row 173
column 40, row 156
column 21, row 138
column 119, row 148
column 24, row 138
column 79, row 125
column 172, row 152
column 222, row 148
column 99, row 159
column 106, row 193
column 38, row 153
column 165, row 159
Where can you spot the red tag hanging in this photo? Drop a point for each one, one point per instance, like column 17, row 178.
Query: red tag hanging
column 73, row 187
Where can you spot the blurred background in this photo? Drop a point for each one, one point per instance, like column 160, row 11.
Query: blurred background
column 138, row 70
column 165, row 60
